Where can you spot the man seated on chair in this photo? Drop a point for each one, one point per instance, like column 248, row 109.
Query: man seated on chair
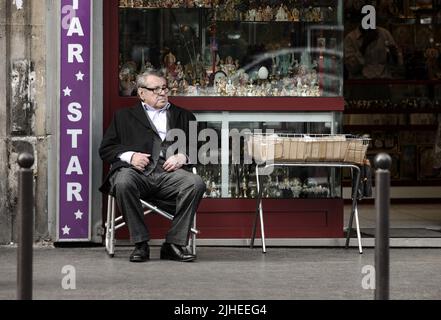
column 136, row 145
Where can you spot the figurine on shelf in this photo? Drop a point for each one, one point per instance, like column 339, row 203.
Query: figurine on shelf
column 221, row 86
column 259, row 14
column 174, row 87
column 268, row 14
column 127, row 79
column 137, row 3
column 282, row 14
column 183, row 86
column 228, row 67
column 316, row 14
column 170, row 62
column 295, row 15
column 214, row 192
column 251, row 14
column 179, row 71
column 230, row 90
column 432, row 63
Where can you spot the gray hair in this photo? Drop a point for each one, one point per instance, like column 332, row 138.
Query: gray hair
column 141, row 79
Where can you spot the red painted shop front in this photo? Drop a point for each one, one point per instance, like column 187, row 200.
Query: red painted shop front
column 227, row 212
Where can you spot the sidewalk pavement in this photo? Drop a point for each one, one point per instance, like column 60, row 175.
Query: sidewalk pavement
column 224, row 273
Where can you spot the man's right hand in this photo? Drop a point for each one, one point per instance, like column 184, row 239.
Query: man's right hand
column 140, row 160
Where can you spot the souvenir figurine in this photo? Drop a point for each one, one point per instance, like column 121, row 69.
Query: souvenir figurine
column 170, row 62
column 295, row 15
column 259, row 14
column 174, row 87
column 137, row 3
column 230, row 90
column 127, row 77
column 432, row 63
column 179, row 71
column 268, row 14
column 251, row 14
column 228, row 67
column 316, row 14
column 183, row 86
column 263, row 73
column 281, row 15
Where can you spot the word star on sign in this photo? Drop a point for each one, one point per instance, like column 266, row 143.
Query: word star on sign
column 74, row 208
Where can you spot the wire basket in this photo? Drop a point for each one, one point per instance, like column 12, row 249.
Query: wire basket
column 304, row 148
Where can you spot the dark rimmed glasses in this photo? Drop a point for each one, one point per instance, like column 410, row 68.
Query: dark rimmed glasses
column 157, row 90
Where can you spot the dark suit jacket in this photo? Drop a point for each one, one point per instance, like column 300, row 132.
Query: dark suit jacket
column 131, row 130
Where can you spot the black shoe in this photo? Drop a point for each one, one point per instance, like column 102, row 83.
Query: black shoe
column 141, row 252
column 171, row 251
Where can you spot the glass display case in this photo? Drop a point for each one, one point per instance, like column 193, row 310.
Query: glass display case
column 233, row 48
column 232, row 174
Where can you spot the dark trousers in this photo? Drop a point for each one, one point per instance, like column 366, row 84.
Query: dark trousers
column 180, row 190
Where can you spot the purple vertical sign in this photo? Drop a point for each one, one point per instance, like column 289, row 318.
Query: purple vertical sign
column 74, row 143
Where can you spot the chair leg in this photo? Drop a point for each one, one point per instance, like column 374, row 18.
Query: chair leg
column 111, row 250
column 193, row 236
column 107, row 226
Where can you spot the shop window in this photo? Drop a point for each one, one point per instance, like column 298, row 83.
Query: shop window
column 233, row 48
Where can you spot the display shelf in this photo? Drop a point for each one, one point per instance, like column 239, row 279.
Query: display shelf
column 424, row 82
column 389, row 128
column 374, row 109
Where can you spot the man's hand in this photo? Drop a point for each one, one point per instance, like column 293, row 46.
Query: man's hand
column 175, row 162
column 140, row 160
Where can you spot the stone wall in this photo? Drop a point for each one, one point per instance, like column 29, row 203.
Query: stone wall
column 23, row 111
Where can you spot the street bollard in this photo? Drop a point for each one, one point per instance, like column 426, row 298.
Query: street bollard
column 382, row 163
column 25, row 226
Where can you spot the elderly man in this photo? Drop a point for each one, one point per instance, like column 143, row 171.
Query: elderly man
column 136, row 145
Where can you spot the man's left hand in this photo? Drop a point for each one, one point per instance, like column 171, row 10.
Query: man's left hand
column 175, row 162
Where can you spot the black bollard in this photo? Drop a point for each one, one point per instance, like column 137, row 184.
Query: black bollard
column 382, row 199
column 25, row 226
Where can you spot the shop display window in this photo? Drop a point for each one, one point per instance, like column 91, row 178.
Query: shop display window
column 233, row 174
column 233, row 48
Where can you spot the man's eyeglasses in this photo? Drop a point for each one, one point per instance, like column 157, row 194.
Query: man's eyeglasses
column 157, row 90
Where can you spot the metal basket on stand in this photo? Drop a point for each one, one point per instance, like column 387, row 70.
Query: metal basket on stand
column 307, row 147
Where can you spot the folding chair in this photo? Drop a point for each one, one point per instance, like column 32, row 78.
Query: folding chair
column 114, row 223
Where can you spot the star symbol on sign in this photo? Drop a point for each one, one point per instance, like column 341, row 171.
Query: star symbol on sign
column 66, row 230
column 67, row 91
column 80, row 76
column 78, row 215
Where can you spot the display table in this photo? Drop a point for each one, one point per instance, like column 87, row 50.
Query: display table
column 259, row 207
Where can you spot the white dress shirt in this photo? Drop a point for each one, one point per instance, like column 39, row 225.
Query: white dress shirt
column 159, row 119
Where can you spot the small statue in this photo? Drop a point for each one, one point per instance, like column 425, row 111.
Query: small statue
column 295, row 15
column 433, row 67
column 127, row 79
column 170, row 62
column 179, row 71
column 281, row 15
column 228, row 67
column 268, row 14
column 251, row 14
